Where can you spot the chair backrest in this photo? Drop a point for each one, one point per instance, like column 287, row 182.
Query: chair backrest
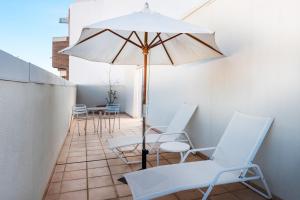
column 181, row 118
column 79, row 109
column 241, row 140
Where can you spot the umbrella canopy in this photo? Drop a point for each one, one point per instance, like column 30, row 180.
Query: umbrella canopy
column 129, row 39
column 120, row 40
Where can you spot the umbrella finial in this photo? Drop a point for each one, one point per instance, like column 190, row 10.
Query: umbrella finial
column 146, row 7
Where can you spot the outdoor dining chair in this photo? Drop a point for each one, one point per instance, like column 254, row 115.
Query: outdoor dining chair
column 79, row 113
column 173, row 132
column 112, row 112
column 231, row 162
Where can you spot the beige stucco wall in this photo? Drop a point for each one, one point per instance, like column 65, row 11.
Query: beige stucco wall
column 260, row 75
column 35, row 108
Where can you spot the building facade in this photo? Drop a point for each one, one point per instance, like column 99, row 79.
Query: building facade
column 60, row 61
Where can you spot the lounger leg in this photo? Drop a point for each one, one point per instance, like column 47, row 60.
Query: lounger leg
column 123, row 158
column 268, row 194
column 206, row 194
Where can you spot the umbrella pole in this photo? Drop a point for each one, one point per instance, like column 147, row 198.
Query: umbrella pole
column 144, row 103
column 144, row 107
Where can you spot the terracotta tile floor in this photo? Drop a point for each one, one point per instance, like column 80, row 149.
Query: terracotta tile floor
column 87, row 170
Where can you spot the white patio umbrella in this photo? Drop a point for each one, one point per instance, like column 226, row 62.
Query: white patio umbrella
column 128, row 40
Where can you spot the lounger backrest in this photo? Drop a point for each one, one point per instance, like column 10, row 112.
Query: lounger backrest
column 241, row 140
column 181, row 118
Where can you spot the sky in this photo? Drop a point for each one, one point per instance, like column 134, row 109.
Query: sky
column 27, row 28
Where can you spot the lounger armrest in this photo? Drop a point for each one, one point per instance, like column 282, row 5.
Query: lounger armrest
column 164, row 134
column 197, row 150
column 232, row 170
column 167, row 133
column 155, row 127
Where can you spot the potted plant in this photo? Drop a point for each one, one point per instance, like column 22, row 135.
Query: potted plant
column 112, row 95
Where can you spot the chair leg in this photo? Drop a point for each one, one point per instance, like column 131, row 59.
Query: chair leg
column 119, row 120
column 114, row 123
column 109, row 130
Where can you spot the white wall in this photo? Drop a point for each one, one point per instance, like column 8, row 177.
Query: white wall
column 35, row 108
column 92, row 77
column 260, row 75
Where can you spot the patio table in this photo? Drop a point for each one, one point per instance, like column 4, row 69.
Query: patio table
column 174, row 147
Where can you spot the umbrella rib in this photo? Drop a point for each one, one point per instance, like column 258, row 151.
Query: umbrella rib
column 138, row 38
column 205, row 44
column 166, row 50
column 125, row 39
column 160, row 42
column 122, row 48
column 94, row 35
column 154, row 39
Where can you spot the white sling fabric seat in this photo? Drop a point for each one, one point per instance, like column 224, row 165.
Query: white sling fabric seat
column 174, row 131
column 167, row 179
column 229, row 163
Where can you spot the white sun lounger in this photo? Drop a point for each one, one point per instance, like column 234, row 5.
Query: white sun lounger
column 231, row 162
column 173, row 132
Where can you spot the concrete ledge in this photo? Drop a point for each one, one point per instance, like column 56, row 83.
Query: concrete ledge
column 15, row 69
column 12, row 68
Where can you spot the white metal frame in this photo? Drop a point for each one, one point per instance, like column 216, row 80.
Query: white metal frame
column 153, row 146
column 243, row 177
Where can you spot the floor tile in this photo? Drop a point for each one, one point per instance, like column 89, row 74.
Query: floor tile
column 247, row 195
column 57, row 177
column 167, row 197
column 234, row 186
column 75, row 166
column 119, row 169
column 74, row 185
column 103, row 171
column 102, row 193
column 77, row 195
column 189, row 195
column 52, row 197
column 95, row 157
column 226, row 196
column 101, row 181
column 54, row 188
column 59, row 168
column 76, row 159
column 112, row 162
column 123, row 190
column 96, row 164
column 71, row 175
column 115, row 178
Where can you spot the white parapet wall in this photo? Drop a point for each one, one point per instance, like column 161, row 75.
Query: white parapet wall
column 35, row 108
